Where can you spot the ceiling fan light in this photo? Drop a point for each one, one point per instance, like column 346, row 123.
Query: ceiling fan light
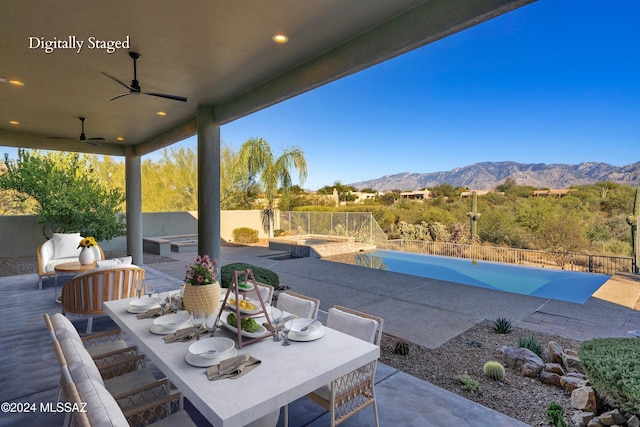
column 280, row 38
column 14, row 122
column 16, row 82
column 119, row 138
column 161, row 113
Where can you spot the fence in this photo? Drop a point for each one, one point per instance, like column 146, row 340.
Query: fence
column 565, row 261
column 359, row 225
column 364, row 228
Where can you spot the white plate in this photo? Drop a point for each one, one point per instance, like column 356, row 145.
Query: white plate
column 260, row 332
column 257, row 310
column 294, row 325
column 201, row 362
column 245, row 286
column 145, row 303
column 300, row 336
column 171, row 320
column 166, row 331
column 136, row 310
column 219, row 344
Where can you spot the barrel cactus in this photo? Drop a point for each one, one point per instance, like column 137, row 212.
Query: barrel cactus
column 494, row 370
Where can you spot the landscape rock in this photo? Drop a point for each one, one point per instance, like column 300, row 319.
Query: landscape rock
column 555, row 352
column 582, row 418
column 569, row 383
column 634, row 421
column 556, row 368
column 610, row 418
column 595, row 422
column 523, row 359
column 584, row 398
column 572, row 362
column 551, row 378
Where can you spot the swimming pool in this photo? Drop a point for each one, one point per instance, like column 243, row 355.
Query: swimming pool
column 541, row 282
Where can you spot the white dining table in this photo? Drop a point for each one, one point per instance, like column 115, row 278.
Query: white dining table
column 285, row 374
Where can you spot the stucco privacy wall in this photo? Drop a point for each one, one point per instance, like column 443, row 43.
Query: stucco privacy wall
column 21, row 235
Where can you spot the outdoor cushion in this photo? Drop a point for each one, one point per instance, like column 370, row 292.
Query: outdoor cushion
column 127, row 260
column 107, row 263
column 294, row 305
column 356, row 326
column 66, row 245
column 62, row 326
column 102, row 408
column 80, row 363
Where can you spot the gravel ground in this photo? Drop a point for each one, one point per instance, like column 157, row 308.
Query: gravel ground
column 518, row 397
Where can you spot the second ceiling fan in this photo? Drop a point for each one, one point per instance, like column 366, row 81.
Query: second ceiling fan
column 134, row 88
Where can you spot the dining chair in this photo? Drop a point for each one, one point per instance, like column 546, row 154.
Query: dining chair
column 266, row 292
column 298, row 304
column 351, row 393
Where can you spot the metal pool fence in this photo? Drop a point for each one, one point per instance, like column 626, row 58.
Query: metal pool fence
column 363, row 227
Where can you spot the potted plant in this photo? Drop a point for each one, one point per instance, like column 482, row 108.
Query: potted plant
column 87, row 256
column 201, row 290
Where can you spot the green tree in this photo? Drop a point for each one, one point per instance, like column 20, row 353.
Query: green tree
column 257, row 159
column 70, row 196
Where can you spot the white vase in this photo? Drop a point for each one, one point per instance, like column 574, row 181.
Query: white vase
column 86, row 256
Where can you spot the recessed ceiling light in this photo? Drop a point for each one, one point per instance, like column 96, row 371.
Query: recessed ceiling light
column 161, row 113
column 280, row 38
column 16, row 82
column 120, row 138
column 14, row 122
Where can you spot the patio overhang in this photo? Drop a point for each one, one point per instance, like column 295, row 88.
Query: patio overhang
column 217, row 54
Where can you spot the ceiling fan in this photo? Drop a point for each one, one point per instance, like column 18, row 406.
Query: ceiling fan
column 83, row 136
column 134, row 88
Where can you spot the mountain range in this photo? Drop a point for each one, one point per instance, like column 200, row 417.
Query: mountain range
column 487, row 175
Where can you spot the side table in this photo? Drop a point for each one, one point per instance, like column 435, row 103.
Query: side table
column 70, row 268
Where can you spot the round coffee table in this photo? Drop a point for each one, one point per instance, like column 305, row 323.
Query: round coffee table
column 68, row 269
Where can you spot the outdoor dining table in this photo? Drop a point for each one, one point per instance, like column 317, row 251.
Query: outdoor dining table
column 285, row 374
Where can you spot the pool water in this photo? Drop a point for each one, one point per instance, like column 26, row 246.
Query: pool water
column 541, row 282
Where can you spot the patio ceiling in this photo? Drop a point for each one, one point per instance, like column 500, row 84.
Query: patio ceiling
column 218, row 54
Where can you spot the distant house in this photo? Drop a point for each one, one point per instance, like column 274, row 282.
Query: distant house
column 553, row 192
column 416, row 195
column 478, row 192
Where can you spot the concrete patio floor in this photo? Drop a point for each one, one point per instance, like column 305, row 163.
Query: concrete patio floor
column 30, row 372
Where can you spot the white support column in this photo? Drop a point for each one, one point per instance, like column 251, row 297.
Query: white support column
column 134, row 205
column 208, row 184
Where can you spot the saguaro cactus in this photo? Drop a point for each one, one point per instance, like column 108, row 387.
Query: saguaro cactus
column 632, row 220
column 474, row 216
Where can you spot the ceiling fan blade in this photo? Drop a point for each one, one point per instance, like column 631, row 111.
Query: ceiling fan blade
column 164, row 95
column 119, row 96
column 89, row 141
column 61, row 137
column 96, row 139
column 118, row 81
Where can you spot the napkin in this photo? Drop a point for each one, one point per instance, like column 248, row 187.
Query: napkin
column 154, row 312
column 234, row 367
column 183, row 335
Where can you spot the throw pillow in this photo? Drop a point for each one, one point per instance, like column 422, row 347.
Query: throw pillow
column 66, row 245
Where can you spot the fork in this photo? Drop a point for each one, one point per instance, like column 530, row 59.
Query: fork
column 307, row 327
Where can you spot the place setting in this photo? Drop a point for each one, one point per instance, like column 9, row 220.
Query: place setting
column 210, row 351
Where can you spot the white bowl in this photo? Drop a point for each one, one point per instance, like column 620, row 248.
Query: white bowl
column 202, row 347
column 294, row 325
column 172, row 320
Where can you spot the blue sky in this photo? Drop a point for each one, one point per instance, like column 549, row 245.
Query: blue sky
column 553, row 82
column 557, row 81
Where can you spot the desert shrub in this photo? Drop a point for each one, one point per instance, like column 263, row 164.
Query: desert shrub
column 531, row 343
column 401, row 348
column 555, row 414
column 277, row 232
column 613, row 367
column 261, row 274
column 501, row 326
column 245, row 235
column 468, row 383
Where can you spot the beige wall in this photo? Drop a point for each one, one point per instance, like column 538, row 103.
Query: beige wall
column 21, row 235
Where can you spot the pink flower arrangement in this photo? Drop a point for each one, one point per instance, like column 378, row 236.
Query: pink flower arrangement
column 203, row 271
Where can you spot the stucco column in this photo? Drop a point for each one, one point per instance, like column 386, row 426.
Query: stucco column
column 208, row 184
column 133, row 179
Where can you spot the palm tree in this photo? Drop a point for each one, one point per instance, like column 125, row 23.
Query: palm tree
column 256, row 158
